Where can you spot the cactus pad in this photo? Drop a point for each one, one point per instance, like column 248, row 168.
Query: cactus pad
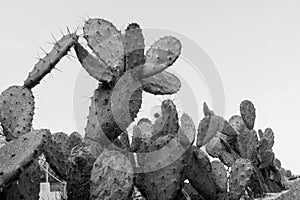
column 162, row 83
column 94, row 67
column 46, row 64
column 134, row 46
column 247, row 142
column 241, row 173
column 105, row 41
column 16, row 111
column 198, row 171
column 162, row 54
column 80, row 165
column 28, row 185
column 167, row 124
column 219, row 175
column 19, row 154
column 237, row 122
column 207, row 111
column 248, row 113
column 56, row 156
column 112, row 176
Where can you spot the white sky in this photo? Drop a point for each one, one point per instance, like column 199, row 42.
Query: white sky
column 255, row 46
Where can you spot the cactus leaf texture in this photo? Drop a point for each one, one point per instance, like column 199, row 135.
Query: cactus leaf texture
column 46, row 64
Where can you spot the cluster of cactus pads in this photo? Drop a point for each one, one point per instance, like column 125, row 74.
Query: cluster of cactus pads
column 164, row 160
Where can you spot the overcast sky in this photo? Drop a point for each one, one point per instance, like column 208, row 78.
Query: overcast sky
column 254, row 45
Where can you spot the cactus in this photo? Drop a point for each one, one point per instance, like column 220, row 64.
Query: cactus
column 167, row 124
column 111, row 177
column 207, row 111
column 216, row 148
column 161, row 84
column 46, row 64
column 277, row 163
column 18, row 154
column 207, row 129
column 80, row 165
column 248, row 113
column 241, row 173
column 105, row 41
column 92, row 65
column 210, row 125
column 28, row 185
column 162, row 173
column 247, row 142
column 56, row 156
column 198, row 171
column 110, row 101
column 266, row 159
column 237, row 122
column 219, row 175
column 269, row 135
column 16, row 111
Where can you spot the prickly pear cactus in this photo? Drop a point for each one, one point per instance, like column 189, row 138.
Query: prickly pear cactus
column 94, row 67
column 163, row 170
column 80, row 165
column 118, row 98
column 237, row 122
column 105, row 41
column 247, row 142
column 219, row 175
column 18, row 154
column 216, row 148
column 16, row 111
column 207, row 111
column 28, row 185
column 56, row 156
column 248, row 113
column 162, row 84
column 210, row 126
column 167, row 124
column 111, row 177
column 46, row 64
column 199, row 173
column 241, row 173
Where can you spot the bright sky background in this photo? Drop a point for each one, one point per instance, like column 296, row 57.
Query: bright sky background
column 255, row 46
